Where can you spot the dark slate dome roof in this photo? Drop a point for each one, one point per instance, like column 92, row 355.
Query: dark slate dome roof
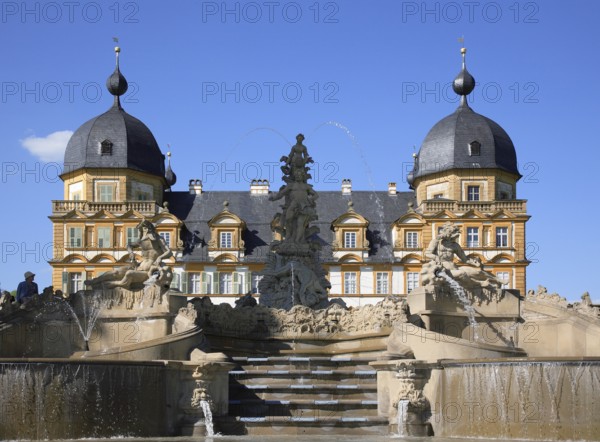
column 115, row 139
column 133, row 145
column 447, row 145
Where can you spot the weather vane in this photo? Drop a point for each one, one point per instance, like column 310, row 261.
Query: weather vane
column 116, row 39
column 461, row 39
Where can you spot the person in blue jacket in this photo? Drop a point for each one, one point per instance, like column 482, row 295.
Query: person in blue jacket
column 27, row 289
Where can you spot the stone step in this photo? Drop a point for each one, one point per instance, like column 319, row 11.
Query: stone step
column 346, row 372
column 302, row 393
column 280, row 363
column 298, row 381
column 303, row 407
column 302, row 360
column 295, row 386
column 312, row 425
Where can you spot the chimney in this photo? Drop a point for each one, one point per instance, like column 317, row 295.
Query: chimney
column 346, row 186
column 259, row 187
column 195, row 187
column 392, row 189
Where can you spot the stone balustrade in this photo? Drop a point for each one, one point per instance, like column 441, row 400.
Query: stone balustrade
column 516, row 206
column 64, row 206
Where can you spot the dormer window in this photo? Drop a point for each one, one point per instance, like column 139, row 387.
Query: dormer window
column 474, row 148
column 350, row 233
column 226, row 230
column 106, row 147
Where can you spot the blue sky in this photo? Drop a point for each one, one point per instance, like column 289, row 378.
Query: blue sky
column 229, row 84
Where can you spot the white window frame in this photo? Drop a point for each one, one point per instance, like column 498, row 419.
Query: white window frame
column 239, row 281
column 207, row 283
column 132, row 235
column 473, row 193
column 75, row 282
column 102, row 196
column 76, row 191
column 350, row 283
column 195, row 284
column 382, row 283
column 226, row 283
column 411, row 239
column 501, row 237
column 472, row 236
column 76, row 241
column 412, row 281
column 504, row 276
column 102, row 242
column 349, row 240
column 166, row 236
column 225, row 240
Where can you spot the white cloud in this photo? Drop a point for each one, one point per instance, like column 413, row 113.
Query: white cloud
column 49, row 148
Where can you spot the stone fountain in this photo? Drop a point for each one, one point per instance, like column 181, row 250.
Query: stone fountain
column 112, row 360
column 459, row 356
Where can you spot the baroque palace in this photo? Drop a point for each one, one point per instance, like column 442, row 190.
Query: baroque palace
column 373, row 243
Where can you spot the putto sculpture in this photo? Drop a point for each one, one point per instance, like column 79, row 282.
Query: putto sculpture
column 293, row 275
column 150, row 269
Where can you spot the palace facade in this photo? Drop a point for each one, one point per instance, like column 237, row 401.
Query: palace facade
column 373, row 243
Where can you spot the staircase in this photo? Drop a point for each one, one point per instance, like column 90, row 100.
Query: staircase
column 303, row 394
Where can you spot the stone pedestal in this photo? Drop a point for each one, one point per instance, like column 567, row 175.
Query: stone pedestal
column 401, row 381
column 441, row 311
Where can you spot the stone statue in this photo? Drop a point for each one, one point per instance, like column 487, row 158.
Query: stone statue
column 246, row 301
column 151, row 268
column 441, row 252
column 298, row 209
column 293, row 275
column 308, row 290
column 298, row 157
column 6, row 302
column 299, row 197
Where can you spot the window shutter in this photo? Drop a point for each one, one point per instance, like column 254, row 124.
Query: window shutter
column 176, row 282
column 184, row 282
column 247, row 283
column 204, row 282
column 236, row 283
column 65, row 282
column 216, row 283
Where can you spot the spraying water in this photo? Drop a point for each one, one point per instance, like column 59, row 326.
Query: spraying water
column 208, row 421
column 368, row 173
column 292, row 271
column 91, row 306
column 402, row 417
column 462, row 296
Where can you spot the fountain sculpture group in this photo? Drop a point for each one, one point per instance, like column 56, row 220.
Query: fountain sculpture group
column 130, row 357
column 293, row 275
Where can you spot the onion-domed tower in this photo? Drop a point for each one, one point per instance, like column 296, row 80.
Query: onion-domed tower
column 114, row 177
column 466, row 172
column 469, row 142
